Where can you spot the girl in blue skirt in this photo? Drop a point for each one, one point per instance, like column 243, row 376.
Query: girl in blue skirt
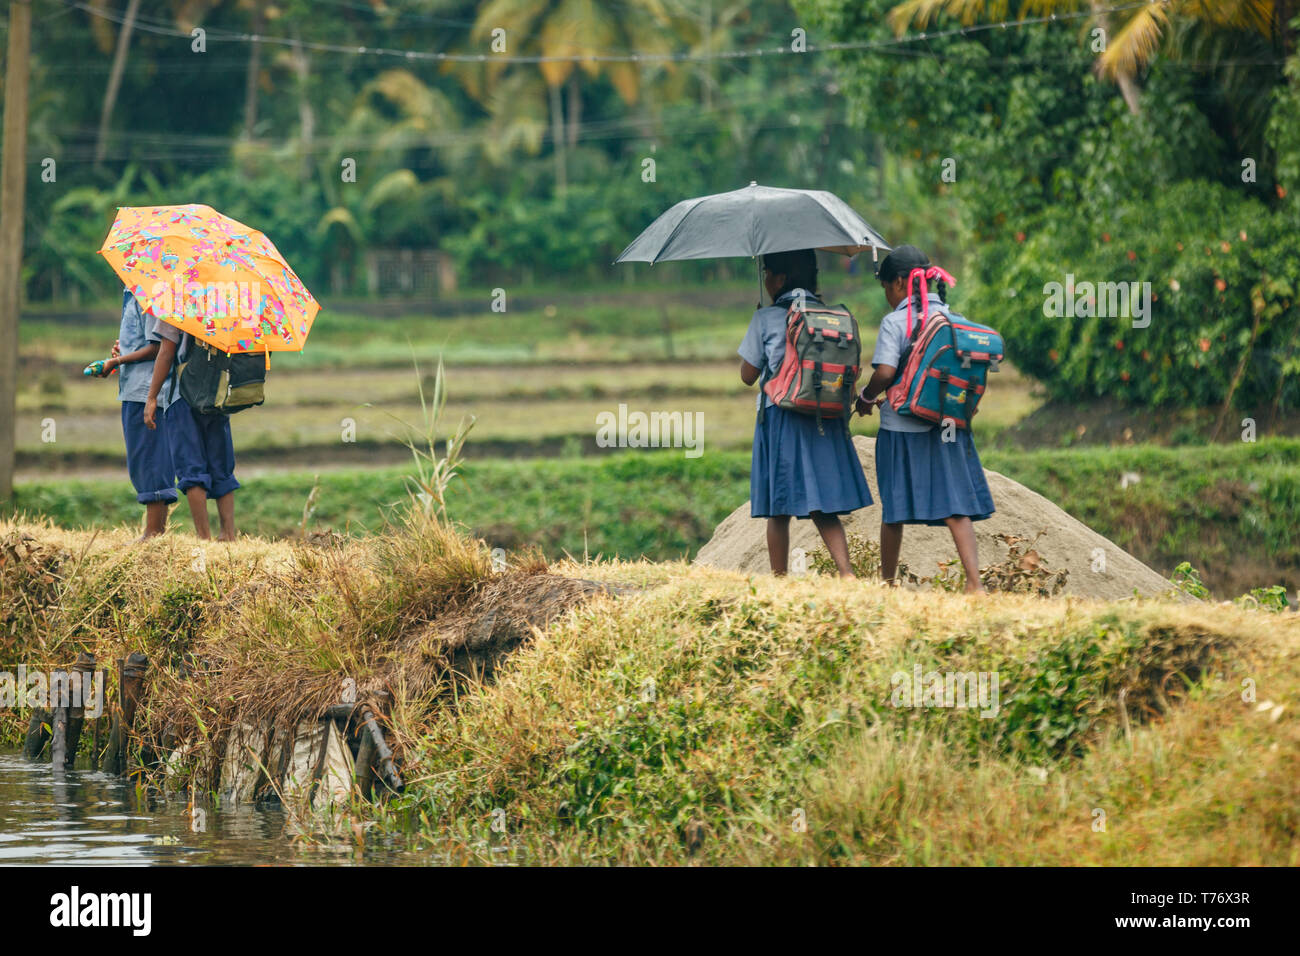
column 797, row 469
column 923, row 478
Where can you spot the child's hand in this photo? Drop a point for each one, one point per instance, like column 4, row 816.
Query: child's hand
column 865, row 405
column 109, row 365
column 150, row 410
column 117, row 348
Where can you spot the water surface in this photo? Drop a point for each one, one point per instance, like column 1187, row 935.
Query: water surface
column 86, row 817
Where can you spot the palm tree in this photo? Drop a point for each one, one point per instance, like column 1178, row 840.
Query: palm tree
column 115, row 79
column 709, row 28
column 254, row 73
column 575, row 28
column 1140, row 33
column 184, row 12
column 401, row 122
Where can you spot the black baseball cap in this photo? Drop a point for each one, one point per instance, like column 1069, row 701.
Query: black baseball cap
column 900, row 262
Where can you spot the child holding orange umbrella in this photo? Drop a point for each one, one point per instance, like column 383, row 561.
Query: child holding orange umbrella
column 148, row 454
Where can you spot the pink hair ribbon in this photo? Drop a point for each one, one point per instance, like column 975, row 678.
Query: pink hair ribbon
column 919, row 276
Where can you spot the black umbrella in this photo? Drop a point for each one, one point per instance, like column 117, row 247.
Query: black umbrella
column 753, row 221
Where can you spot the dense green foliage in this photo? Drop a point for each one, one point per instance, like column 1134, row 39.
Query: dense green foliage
column 1188, row 195
column 515, row 172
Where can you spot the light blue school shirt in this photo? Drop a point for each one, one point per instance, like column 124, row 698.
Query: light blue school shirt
column 764, row 343
column 133, row 334
column 164, row 330
column 890, row 343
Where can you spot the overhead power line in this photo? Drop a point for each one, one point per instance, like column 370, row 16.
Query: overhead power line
column 213, row 35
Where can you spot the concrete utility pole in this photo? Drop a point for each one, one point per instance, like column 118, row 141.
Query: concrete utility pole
column 13, row 181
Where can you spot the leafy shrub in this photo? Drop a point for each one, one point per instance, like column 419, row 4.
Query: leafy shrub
column 1269, row 599
column 1221, row 270
column 1188, row 580
column 864, row 558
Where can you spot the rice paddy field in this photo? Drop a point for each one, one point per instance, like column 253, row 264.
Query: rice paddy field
column 337, row 414
column 535, row 384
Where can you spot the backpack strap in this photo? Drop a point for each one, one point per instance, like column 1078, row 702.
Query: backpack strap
column 172, row 382
column 766, row 375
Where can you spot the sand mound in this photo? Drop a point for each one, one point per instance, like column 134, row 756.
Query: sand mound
column 739, row 543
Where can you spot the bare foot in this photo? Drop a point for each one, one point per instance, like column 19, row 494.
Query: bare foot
column 227, row 536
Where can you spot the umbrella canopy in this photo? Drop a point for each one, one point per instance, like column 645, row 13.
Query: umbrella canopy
column 753, row 221
column 211, row 276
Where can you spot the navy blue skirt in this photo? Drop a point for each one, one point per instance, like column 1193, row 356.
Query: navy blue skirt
column 924, row 479
column 796, row 470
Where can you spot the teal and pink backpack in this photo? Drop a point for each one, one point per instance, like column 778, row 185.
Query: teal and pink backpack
column 943, row 371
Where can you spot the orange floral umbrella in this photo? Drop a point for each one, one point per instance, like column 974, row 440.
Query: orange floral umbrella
column 211, row 276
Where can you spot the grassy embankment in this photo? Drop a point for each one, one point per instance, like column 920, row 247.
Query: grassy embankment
column 1227, row 509
column 707, row 717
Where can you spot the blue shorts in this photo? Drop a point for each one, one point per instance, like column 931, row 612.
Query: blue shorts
column 202, row 449
column 148, row 457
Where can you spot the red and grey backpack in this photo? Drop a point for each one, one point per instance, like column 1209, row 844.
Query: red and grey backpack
column 823, row 355
column 943, row 371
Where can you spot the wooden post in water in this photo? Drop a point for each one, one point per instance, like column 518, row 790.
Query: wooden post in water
column 113, row 751
column 131, row 690
column 387, row 768
column 99, row 722
column 84, row 669
column 363, row 772
column 38, row 733
column 379, row 762
column 59, row 702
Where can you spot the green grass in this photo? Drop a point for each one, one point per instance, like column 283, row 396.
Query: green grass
column 540, row 372
column 1228, row 509
column 574, row 330
column 658, row 504
column 514, row 404
column 720, row 720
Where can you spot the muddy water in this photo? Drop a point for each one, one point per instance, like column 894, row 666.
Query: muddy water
column 85, row 817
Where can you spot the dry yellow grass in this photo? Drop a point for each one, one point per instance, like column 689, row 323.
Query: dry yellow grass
column 706, row 716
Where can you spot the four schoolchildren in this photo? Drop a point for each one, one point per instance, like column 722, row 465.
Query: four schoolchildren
column 803, row 465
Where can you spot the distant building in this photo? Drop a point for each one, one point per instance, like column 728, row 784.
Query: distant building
column 409, row 272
